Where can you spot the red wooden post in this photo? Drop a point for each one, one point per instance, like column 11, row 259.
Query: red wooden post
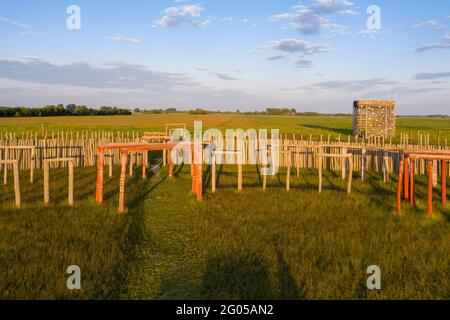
column 100, row 163
column 430, row 189
column 411, row 185
column 123, row 173
column 194, row 177
column 444, row 182
column 406, row 177
column 399, row 187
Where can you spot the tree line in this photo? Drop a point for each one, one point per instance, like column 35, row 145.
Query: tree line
column 61, row 110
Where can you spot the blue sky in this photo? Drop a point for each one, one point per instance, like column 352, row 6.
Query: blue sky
column 314, row 55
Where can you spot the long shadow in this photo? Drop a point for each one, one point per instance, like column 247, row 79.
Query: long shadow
column 237, row 276
column 287, row 288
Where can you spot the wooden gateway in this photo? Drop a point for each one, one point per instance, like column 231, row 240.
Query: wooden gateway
column 374, row 118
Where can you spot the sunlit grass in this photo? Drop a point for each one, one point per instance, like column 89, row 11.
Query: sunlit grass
column 250, row 244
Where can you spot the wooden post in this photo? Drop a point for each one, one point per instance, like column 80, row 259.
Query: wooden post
column 288, row 178
column 385, row 168
column 70, row 200
column 350, row 174
column 213, row 173
column 110, row 161
column 399, row 186
column 165, row 157
column 406, row 177
column 194, row 176
column 430, row 188
column 320, row 172
column 435, row 173
column 123, row 172
column 170, row 164
column 46, row 183
column 33, row 155
column 131, row 164
column 100, row 162
column 199, row 182
column 444, row 182
column 16, row 183
column 363, row 164
column 264, row 182
column 5, row 172
column 144, row 164
column 240, row 177
column 411, row 185
column 343, row 163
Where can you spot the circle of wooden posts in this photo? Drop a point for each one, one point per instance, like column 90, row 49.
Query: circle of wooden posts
column 15, row 165
column 47, row 162
column 406, row 177
column 347, row 156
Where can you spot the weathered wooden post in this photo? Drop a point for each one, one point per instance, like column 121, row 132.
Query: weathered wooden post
column 33, row 156
column 444, row 182
column 343, row 163
column 350, row 174
column 131, row 164
column 430, row 188
column 123, row 172
column 411, row 185
column 70, row 201
column 399, row 186
column 110, row 161
column 385, row 168
column 100, row 163
column 213, row 173
column 406, row 177
column 320, row 172
column 16, row 183
column 144, row 164
column 170, row 165
column 264, row 181
column 46, row 183
column 239, row 176
column 5, row 172
column 363, row 164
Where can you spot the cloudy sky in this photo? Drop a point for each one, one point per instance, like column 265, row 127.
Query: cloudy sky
column 317, row 55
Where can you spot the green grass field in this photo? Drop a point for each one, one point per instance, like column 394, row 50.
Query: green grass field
column 250, row 245
column 317, row 125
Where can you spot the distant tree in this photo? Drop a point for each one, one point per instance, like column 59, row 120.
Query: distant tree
column 70, row 108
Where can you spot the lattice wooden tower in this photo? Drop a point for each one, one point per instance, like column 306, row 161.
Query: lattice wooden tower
column 374, row 118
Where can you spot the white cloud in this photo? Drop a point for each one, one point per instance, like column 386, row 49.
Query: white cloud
column 431, row 75
column 444, row 45
column 310, row 19
column 16, row 23
column 227, row 19
column 125, row 39
column 175, row 16
column 277, row 57
column 114, row 74
column 298, row 46
column 305, row 63
column 430, row 24
column 228, row 76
